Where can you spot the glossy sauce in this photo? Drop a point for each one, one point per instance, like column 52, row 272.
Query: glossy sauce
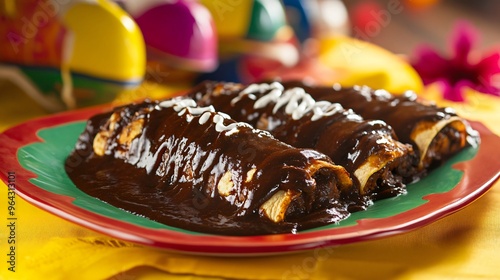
column 170, row 172
column 402, row 112
column 294, row 117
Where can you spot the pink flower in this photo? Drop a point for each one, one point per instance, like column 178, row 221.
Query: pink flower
column 462, row 70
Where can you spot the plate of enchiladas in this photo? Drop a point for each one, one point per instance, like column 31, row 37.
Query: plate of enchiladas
column 264, row 168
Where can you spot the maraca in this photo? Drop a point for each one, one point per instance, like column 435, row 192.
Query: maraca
column 180, row 34
column 70, row 54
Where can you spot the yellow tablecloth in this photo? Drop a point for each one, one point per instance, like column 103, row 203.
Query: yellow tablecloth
column 464, row 245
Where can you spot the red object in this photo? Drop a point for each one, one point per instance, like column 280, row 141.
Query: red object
column 364, row 13
column 462, row 68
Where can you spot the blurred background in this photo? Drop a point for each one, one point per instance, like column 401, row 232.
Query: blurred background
column 78, row 53
column 429, row 22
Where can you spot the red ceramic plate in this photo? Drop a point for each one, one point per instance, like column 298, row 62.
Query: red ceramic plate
column 36, row 151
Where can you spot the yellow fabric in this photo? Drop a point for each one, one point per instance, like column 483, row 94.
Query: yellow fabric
column 373, row 66
column 464, row 245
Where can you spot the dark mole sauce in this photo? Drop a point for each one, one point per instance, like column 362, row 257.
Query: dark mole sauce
column 345, row 136
column 169, row 174
column 402, row 112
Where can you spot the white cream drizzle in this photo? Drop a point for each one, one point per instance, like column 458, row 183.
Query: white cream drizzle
column 337, row 86
column 297, row 101
column 178, row 103
column 204, row 118
column 382, row 93
column 188, row 107
column 261, row 88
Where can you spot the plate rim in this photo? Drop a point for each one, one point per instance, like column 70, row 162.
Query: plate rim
column 205, row 244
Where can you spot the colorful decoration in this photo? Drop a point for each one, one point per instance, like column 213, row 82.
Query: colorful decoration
column 179, row 33
column 258, row 20
column 326, row 55
column 463, row 70
column 317, row 18
column 299, row 18
column 350, row 62
column 64, row 58
column 250, row 30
